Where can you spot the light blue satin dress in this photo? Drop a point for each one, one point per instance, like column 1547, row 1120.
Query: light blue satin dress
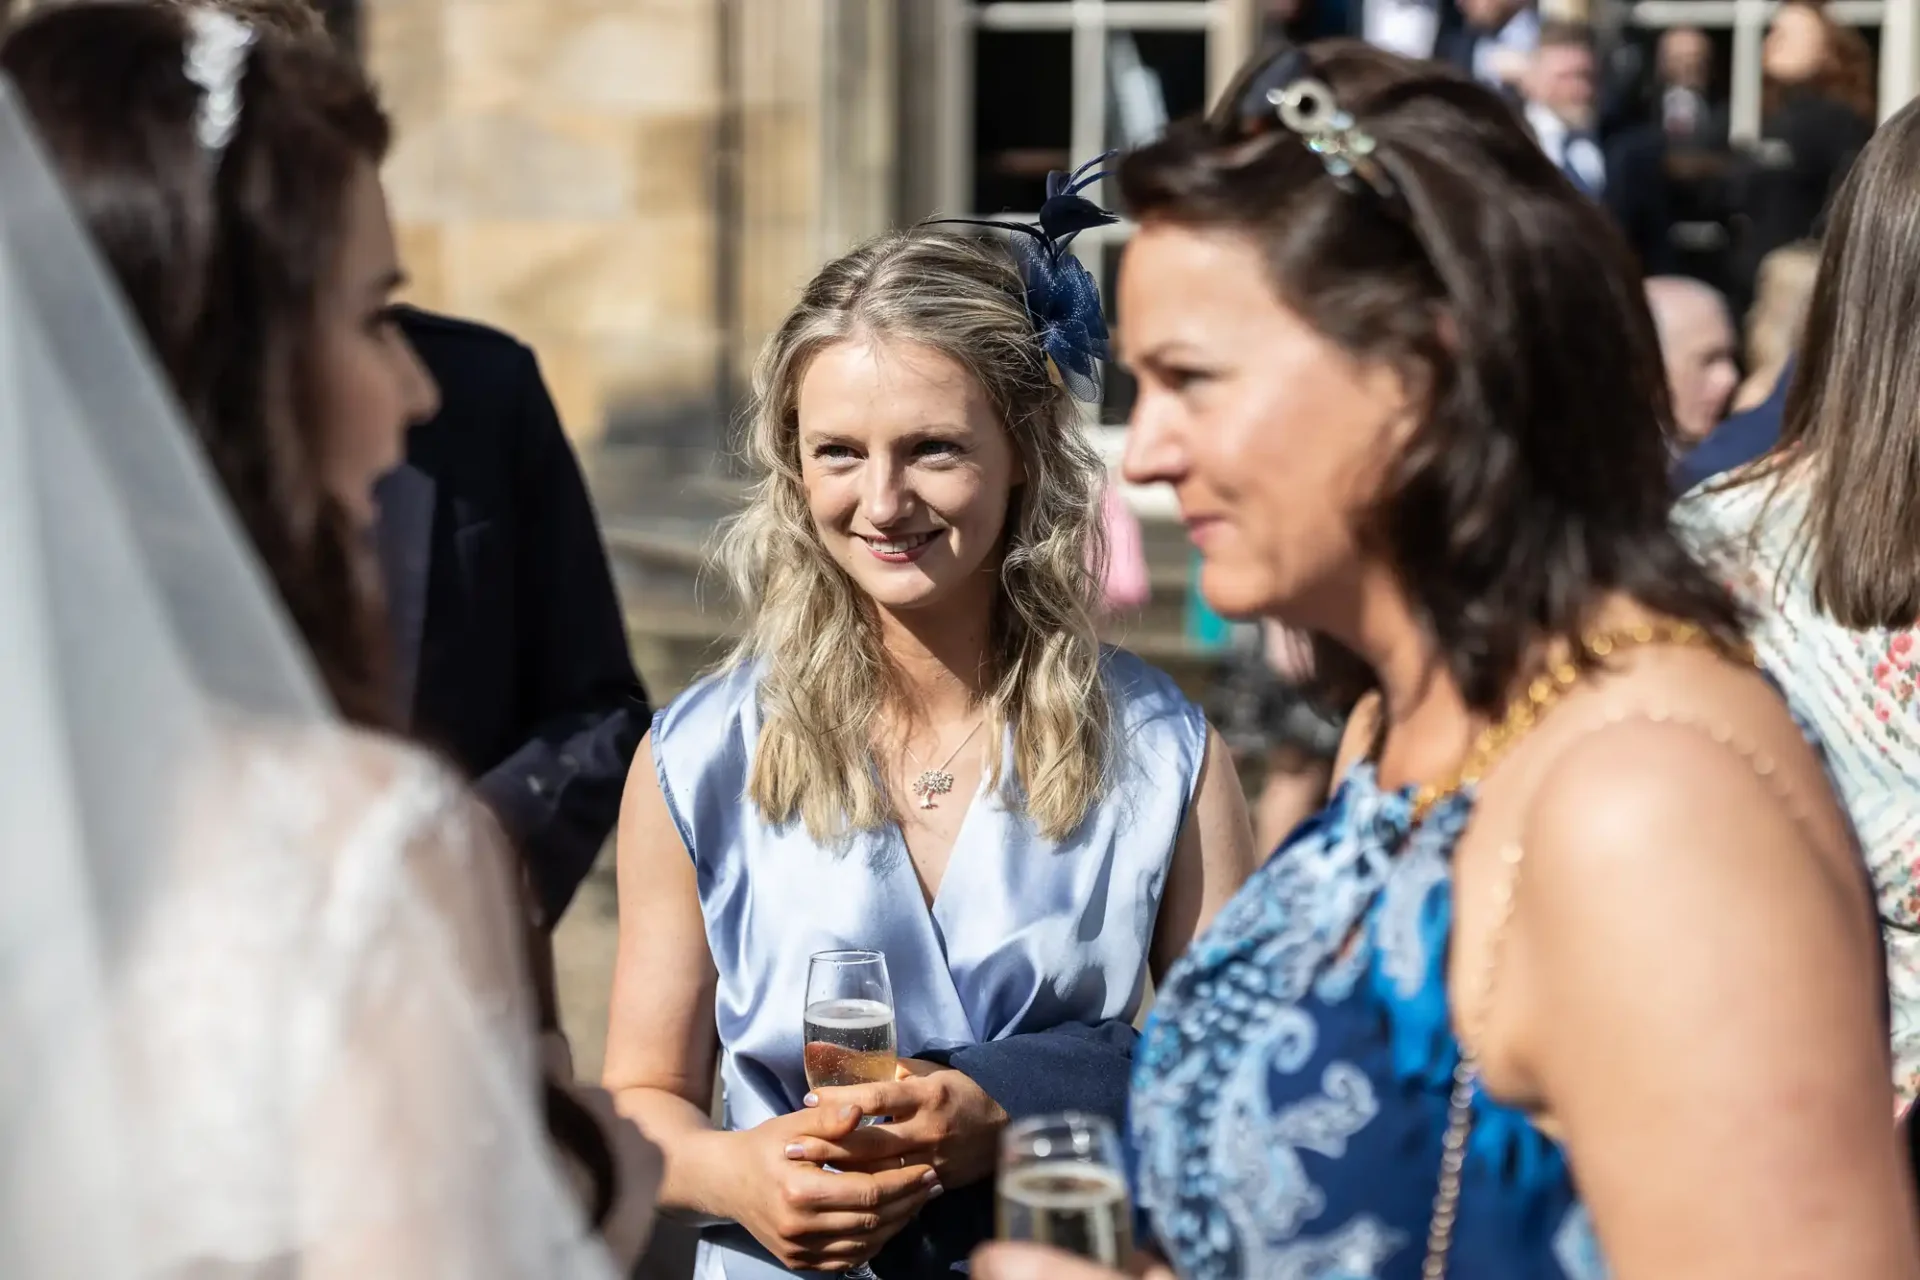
column 1025, row 933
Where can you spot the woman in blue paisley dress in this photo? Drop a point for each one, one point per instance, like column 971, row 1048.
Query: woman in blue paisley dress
column 1577, row 973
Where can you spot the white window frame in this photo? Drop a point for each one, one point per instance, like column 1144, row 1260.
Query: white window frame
column 1748, row 19
column 1229, row 28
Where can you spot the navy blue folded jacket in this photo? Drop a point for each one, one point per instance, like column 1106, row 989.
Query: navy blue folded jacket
column 1065, row 1068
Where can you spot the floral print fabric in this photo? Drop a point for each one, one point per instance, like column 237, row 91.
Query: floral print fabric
column 1854, row 689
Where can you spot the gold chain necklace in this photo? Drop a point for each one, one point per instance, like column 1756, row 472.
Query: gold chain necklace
column 1488, row 749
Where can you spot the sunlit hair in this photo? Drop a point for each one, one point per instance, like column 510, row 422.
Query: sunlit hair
column 826, row 677
column 1850, row 431
column 1847, row 75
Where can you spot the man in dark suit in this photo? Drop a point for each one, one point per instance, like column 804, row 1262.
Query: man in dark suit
column 511, row 650
column 1490, row 40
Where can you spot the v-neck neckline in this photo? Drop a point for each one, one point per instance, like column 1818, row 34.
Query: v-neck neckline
column 931, row 901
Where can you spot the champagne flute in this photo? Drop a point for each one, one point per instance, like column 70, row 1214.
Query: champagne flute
column 849, row 1031
column 849, row 1020
column 1062, row 1184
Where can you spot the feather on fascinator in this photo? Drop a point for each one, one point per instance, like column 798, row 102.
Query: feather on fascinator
column 1062, row 298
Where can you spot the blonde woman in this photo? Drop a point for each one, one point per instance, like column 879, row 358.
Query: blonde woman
column 919, row 748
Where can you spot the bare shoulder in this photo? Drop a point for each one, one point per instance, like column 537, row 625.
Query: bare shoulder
column 646, row 816
column 1684, row 769
column 1692, row 922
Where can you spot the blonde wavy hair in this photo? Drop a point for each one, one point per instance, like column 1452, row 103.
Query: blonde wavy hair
column 826, row 679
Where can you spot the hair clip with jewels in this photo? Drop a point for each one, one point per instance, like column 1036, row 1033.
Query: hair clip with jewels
column 1308, row 108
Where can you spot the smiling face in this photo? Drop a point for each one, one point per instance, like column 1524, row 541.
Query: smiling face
column 1273, row 438
column 908, row 472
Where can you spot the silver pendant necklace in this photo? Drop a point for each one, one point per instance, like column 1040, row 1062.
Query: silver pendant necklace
column 938, row 782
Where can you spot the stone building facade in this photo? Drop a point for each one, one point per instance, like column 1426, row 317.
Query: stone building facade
column 638, row 188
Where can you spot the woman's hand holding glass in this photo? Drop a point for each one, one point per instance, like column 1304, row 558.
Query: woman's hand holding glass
column 934, row 1116
column 812, row 1219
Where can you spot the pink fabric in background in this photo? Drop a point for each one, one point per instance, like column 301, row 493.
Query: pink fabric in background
column 1126, row 585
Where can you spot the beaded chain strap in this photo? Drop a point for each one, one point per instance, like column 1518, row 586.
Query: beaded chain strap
column 1492, row 745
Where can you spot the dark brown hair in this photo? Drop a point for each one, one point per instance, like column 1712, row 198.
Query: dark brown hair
column 1537, row 482
column 1847, row 76
column 222, row 261
column 222, row 264
column 1853, row 409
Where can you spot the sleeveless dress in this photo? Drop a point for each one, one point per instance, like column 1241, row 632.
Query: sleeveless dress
column 1855, row 689
column 1024, row 934
column 1291, row 1088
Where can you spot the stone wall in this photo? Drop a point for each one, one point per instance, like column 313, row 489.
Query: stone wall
column 553, row 175
column 814, row 83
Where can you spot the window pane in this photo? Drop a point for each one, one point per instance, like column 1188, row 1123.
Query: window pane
column 1153, row 77
column 1022, row 116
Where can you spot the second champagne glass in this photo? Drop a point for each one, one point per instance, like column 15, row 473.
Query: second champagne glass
column 849, row 1033
column 1062, row 1184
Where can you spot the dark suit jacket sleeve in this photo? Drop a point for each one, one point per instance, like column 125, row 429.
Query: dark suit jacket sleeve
column 559, row 792
column 1065, row 1068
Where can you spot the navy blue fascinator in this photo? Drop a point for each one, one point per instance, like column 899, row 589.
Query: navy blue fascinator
column 1062, row 297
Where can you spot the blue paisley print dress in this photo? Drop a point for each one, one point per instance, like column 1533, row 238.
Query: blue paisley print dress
column 1290, row 1092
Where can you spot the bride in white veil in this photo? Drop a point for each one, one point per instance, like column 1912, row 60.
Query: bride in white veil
column 261, row 994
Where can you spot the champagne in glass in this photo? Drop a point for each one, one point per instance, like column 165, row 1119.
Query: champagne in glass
column 849, row 1042
column 1061, row 1184
column 849, row 1020
column 848, row 1029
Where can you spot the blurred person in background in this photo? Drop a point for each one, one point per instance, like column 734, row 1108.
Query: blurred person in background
column 1269, row 713
column 1669, row 172
column 1697, row 344
column 1125, row 584
column 1818, row 98
column 918, row 747
column 1410, row 28
column 1774, row 326
column 510, row 646
column 1685, row 108
column 1299, row 21
column 1490, row 40
column 1584, row 898
column 1560, row 92
column 1821, row 540
column 325, row 1010
column 1776, row 320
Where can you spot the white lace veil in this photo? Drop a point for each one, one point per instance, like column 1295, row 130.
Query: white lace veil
column 136, row 630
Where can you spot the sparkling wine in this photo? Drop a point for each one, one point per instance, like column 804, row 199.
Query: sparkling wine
column 1071, row 1205
column 849, row 1041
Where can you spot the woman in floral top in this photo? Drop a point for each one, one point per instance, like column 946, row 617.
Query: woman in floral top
column 1821, row 539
